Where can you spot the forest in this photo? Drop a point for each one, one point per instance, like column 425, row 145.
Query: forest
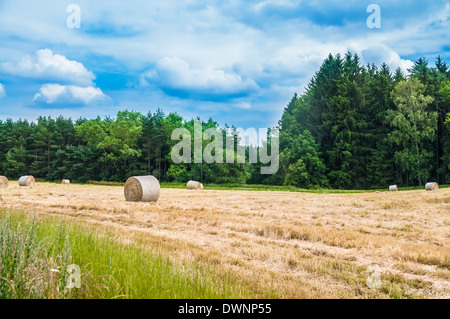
column 354, row 127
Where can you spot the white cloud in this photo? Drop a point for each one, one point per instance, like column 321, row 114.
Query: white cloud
column 228, row 46
column 2, row 91
column 380, row 53
column 244, row 105
column 176, row 74
column 56, row 93
column 280, row 3
column 46, row 65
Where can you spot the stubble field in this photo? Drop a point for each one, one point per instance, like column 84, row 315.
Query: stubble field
column 276, row 244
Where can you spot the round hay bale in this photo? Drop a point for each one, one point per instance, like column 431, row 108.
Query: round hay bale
column 142, row 189
column 393, row 188
column 194, row 185
column 65, row 181
column 3, row 182
column 27, row 181
column 432, row 186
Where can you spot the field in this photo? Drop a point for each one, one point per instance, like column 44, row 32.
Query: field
column 274, row 244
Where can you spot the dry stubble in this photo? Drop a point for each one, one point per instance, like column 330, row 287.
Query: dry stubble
column 282, row 244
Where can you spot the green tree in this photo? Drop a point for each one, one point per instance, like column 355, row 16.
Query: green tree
column 433, row 78
column 350, row 147
column 155, row 145
column 444, row 94
column 301, row 164
column 381, row 168
column 412, row 127
column 16, row 163
column 117, row 139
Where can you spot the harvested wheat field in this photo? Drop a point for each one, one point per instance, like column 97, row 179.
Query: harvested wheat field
column 278, row 244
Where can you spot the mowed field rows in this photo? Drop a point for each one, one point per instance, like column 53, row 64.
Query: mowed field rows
column 277, row 244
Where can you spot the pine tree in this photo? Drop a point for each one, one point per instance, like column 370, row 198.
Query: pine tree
column 380, row 167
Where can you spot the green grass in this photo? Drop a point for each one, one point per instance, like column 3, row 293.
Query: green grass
column 29, row 263
column 255, row 187
column 259, row 187
column 247, row 187
column 110, row 268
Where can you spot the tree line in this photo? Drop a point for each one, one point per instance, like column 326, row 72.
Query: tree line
column 354, row 127
column 366, row 127
column 108, row 149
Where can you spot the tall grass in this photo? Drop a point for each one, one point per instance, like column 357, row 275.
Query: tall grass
column 135, row 270
column 30, row 265
column 34, row 255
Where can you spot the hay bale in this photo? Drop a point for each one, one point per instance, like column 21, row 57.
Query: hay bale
column 142, row 189
column 65, row 181
column 3, row 182
column 194, row 185
column 432, row 186
column 27, row 181
column 393, row 188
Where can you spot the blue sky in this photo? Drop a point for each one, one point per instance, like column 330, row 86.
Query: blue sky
column 238, row 62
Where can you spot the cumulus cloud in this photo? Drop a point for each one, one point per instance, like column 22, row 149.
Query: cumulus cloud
column 70, row 94
column 2, row 91
column 176, row 77
column 259, row 51
column 380, row 53
column 46, row 65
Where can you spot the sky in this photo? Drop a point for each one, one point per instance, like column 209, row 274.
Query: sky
column 239, row 62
